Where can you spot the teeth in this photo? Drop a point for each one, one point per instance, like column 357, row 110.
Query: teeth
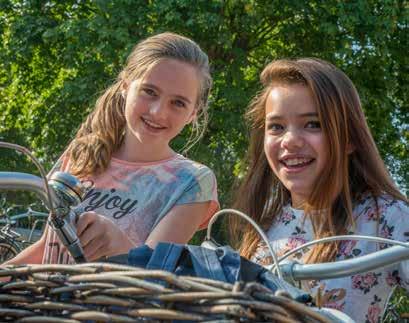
column 296, row 161
column 153, row 125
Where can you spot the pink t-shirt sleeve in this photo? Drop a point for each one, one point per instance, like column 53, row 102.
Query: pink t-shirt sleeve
column 203, row 189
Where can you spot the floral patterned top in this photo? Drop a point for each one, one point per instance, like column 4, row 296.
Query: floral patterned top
column 363, row 296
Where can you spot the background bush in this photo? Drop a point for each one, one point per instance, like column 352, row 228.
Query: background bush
column 56, row 57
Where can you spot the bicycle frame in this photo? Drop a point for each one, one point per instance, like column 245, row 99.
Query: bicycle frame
column 25, row 236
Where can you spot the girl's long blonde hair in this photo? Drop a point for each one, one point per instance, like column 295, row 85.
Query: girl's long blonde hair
column 347, row 175
column 103, row 130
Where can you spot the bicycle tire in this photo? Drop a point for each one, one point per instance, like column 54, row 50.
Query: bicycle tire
column 8, row 249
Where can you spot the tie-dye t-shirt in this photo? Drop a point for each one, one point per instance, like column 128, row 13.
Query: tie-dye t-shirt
column 137, row 196
column 362, row 296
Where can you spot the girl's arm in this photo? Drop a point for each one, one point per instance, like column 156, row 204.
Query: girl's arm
column 179, row 225
column 191, row 212
column 100, row 237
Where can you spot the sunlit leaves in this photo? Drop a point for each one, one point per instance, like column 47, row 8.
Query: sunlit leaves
column 57, row 56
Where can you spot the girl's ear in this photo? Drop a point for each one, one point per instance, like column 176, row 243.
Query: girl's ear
column 124, row 89
column 192, row 117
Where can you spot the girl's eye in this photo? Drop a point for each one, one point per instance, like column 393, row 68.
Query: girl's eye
column 179, row 103
column 313, row 125
column 149, row 91
column 274, row 127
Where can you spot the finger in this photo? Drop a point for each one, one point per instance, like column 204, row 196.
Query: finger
column 95, row 250
column 91, row 232
column 85, row 220
column 76, row 218
column 97, row 255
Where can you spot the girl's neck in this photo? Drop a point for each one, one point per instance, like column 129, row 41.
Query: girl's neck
column 298, row 201
column 298, row 206
column 142, row 154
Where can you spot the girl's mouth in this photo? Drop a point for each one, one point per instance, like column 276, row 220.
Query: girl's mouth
column 152, row 125
column 296, row 163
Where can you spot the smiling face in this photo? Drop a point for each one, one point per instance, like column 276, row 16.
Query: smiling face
column 159, row 106
column 294, row 143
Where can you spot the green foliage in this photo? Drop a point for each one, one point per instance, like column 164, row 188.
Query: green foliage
column 57, row 56
column 398, row 308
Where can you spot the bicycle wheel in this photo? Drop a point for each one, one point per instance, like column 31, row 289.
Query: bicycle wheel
column 8, row 249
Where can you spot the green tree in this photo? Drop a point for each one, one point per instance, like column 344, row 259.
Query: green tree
column 57, row 56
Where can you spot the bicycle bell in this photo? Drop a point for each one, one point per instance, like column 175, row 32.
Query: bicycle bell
column 70, row 193
column 68, row 188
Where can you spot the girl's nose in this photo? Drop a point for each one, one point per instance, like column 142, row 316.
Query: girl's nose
column 158, row 108
column 292, row 140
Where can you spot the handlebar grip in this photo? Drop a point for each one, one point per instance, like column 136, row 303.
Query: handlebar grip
column 348, row 267
column 68, row 237
column 76, row 252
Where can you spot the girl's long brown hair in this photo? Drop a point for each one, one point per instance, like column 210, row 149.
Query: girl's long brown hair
column 102, row 132
column 348, row 175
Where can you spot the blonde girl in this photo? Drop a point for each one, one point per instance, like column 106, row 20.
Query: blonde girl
column 314, row 171
column 140, row 190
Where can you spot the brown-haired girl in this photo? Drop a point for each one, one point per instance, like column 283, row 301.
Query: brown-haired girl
column 314, row 171
column 141, row 191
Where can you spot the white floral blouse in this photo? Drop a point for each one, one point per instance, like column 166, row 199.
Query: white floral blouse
column 363, row 296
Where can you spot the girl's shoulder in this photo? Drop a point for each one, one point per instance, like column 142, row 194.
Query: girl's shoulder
column 372, row 207
column 177, row 166
column 183, row 164
column 175, row 160
column 190, row 162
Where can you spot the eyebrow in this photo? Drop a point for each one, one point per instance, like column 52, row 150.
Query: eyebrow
column 271, row 116
column 181, row 97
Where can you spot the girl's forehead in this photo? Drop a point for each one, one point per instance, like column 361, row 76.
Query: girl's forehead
column 293, row 98
column 173, row 77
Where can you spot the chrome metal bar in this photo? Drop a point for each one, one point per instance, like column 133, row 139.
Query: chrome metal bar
column 29, row 182
column 344, row 268
column 210, row 242
column 28, row 153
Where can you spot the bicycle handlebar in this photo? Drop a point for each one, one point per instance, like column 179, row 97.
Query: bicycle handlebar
column 24, row 181
column 343, row 268
column 292, row 270
column 29, row 182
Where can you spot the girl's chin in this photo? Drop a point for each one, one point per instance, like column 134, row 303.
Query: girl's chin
column 299, row 193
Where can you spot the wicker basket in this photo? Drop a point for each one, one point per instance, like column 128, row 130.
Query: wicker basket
column 102, row 292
